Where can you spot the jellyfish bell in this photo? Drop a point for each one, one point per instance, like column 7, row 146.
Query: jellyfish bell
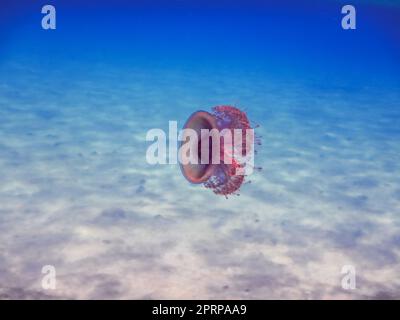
column 227, row 149
column 195, row 171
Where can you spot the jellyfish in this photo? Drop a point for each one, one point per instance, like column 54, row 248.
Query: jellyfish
column 227, row 140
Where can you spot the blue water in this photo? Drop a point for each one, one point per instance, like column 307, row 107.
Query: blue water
column 77, row 193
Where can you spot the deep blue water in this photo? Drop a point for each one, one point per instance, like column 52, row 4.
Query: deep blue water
column 298, row 40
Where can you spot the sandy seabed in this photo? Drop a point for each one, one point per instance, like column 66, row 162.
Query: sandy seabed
column 76, row 191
